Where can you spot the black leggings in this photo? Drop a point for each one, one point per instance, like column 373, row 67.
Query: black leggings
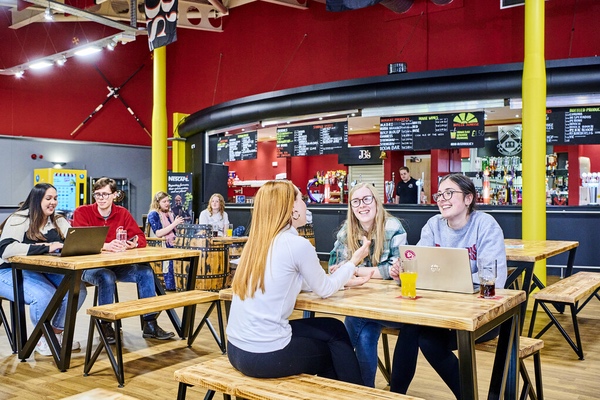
column 437, row 346
column 319, row 346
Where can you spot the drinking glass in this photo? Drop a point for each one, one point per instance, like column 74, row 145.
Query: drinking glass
column 229, row 230
column 408, row 278
column 487, row 268
column 122, row 237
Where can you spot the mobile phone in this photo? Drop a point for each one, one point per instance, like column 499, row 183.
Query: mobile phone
column 131, row 239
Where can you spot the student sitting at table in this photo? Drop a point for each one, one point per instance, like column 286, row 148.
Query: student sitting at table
column 457, row 225
column 215, row 214
column 104, row 212
column 162, row 225
column 275, row 265
column 367, row 217
column 35, row 229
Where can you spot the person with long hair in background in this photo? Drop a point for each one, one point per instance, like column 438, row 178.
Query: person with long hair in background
column 36, row 229
column 163, row 224
column 275, row 265
column 215, row 214
column 367, row 218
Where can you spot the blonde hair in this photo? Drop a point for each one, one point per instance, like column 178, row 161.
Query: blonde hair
column 155, row 204
column 355, row 230
column 272, row 212
column 221, row 204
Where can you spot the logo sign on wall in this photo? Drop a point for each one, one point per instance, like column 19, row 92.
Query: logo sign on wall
column 364, row 155
column 161, row 17
column 509, row 139
column 179, row 188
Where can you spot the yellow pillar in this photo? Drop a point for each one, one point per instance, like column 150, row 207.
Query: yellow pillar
column 178, row 145
column 534, row 129
column 159, row 122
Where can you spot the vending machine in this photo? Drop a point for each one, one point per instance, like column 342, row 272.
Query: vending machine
column 70, row 184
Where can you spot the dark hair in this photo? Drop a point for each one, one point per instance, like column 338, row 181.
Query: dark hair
column 33, row 203
column 466, row 186
column 100, row 183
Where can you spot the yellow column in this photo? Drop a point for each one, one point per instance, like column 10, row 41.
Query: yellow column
column 159, row 122
column 534, row 129
column 178, row 144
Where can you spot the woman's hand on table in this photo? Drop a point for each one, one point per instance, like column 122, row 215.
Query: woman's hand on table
column 359, row 280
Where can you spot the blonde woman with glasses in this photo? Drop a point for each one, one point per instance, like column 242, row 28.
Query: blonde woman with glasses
column 275, row 265
column 367, row 218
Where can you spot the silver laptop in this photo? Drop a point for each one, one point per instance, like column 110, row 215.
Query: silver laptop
column 445, row 269
column 83, row 241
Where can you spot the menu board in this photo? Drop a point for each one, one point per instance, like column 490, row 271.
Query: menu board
column 237, row 147
column 312, row 140
column 425, row 132
column 573, row 125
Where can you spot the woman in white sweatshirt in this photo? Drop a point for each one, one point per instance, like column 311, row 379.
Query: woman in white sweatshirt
column 275, row 265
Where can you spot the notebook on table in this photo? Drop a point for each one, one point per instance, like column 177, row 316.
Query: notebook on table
column 445, row 269
column 83, row 241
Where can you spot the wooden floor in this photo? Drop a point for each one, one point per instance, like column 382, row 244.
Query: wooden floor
column 149, row 365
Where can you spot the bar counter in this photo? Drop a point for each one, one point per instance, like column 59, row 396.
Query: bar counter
column 575, row 223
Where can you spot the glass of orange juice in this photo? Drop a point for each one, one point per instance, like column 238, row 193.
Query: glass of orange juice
column 229, row 230
column 408, row 278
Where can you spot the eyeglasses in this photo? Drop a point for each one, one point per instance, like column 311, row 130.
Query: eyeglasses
column 366, row 201
column 446, row 195
column 101, row 195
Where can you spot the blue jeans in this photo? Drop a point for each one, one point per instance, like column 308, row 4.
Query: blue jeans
column 364, row 334
column 105, row 279
column 38, row 289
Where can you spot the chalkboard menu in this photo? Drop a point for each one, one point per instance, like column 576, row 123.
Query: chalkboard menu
column 237, row 147
column 425, row 132
column 312, row 140
column 573, row 125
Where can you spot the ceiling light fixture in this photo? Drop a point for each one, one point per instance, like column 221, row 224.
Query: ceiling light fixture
column 61, row 57
column 48, row 16
column 309, row 117
column 19, row 74
column 86, row 51
column 111, row 46
column 41, row 64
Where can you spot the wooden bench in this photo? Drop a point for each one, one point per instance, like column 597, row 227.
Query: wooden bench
column 117, row 311
column 217, row 375
column 566, row 292
column 527, row 347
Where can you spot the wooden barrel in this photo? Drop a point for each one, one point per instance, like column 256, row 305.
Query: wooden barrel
column 189, row 236
column 234, row 252
column 308, row 232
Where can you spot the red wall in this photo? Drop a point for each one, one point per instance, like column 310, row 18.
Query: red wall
column 263, row 47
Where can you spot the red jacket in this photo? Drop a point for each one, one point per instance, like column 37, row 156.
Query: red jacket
column 88, row 215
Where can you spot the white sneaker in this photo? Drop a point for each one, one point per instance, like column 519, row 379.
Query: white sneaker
column 74, row 346
column 43, row 349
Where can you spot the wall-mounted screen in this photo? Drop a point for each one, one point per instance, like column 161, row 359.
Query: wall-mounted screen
column 312, row 140
column 425, row 132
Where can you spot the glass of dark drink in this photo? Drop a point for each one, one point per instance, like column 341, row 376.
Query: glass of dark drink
column 487, row 277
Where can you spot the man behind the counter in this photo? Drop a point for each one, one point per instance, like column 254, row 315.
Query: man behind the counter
column 407, row 189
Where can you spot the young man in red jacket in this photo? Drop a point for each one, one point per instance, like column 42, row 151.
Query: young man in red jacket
column 101, row 213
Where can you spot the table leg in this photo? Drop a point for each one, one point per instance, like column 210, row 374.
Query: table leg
column 69, row 286
column 506, row 361
column 191, row 285
column 466, row 364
